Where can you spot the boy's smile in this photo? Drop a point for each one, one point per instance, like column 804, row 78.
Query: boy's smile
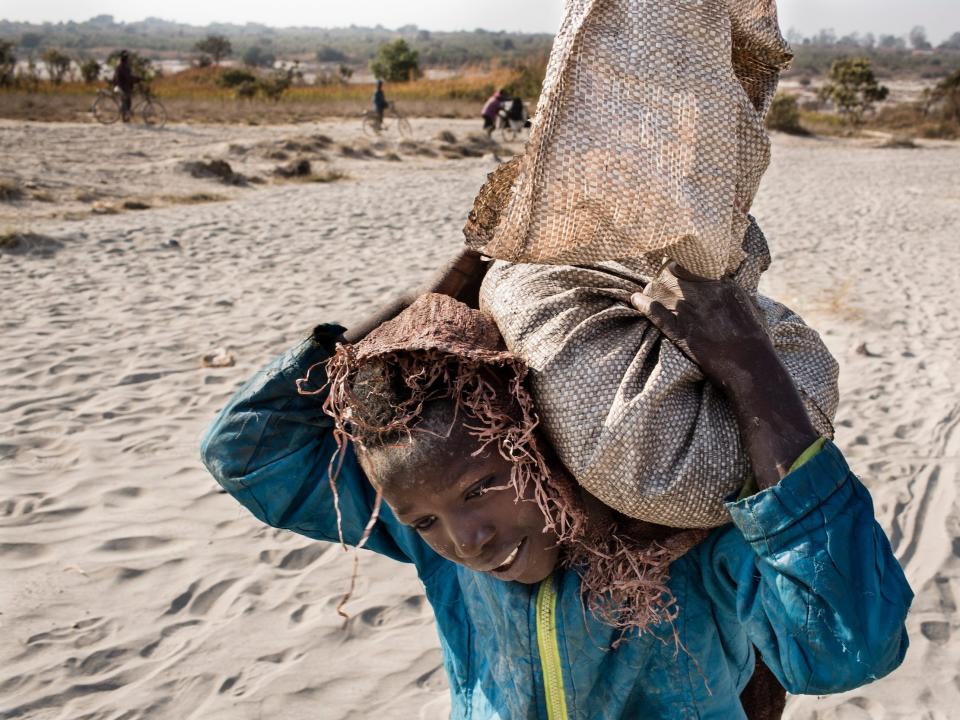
column 464, row 507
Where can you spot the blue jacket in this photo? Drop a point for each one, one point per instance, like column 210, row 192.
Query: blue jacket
column 804, row 573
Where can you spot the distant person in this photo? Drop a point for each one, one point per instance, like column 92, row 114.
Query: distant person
column 125, row 80
column 491, row 110
column 380, row 104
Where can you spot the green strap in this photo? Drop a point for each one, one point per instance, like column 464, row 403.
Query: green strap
column 808, row 454
column 550, row 651
column 750, row 487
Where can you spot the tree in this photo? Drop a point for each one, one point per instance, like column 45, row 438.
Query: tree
column 90, row 70
column 951, row 43
column 58, row 65
column 825, row 38
column 396, row 62
column 8, row 63
column 256, row 56
column 30, row 40
column 891, row 42
column 853, row 88
column 330, row 54
column 216, row 46
column 947, row 94
column 918, row 38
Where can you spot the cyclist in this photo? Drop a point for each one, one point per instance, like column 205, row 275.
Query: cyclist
column 380, row 104
column 491, row 110
column 125, row 80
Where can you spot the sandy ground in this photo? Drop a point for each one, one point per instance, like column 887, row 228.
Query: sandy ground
column 133, row 589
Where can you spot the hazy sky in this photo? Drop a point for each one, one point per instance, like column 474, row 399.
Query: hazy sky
column 940, row 17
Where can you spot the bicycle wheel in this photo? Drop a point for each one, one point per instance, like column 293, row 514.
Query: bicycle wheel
column 403, row 125
column 106, row 108
column 370, row 125
column 153, row 113
column 508, row 133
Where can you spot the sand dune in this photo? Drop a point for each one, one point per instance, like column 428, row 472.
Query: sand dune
column 134, row 589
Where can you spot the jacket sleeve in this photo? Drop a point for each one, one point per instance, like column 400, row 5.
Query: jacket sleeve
column 816, row 585
column 271, row 449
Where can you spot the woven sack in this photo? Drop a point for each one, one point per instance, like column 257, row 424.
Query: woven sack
column 648, row 139
column 628, row 413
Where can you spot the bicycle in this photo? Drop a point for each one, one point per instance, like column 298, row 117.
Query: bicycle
column 107, row 107
column 372, row 125
column 513, row 122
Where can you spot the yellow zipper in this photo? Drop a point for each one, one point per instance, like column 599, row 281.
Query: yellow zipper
column 550, row 651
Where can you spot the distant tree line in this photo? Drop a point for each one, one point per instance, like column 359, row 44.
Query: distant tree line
column 356, row 46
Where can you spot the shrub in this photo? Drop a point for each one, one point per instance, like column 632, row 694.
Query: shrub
column 90, row 70
column 852, row 87
column 58, row 65
column 396, row 62
column 784, row 114
column 276, row 85
column 8, row 63
column 235, row 77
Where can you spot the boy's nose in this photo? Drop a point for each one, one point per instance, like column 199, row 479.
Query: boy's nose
column 470, row 539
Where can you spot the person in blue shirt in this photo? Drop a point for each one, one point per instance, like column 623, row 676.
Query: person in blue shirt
column 803, row 573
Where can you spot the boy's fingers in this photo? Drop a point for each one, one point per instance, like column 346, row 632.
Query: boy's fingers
column 663, row 319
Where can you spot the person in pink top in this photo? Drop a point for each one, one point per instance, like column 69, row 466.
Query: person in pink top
column 491, row 110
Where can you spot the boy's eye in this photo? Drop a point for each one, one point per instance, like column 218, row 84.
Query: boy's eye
column 480, row 488
column 423, row 524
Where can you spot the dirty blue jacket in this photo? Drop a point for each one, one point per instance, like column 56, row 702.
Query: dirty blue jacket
column 804, row 573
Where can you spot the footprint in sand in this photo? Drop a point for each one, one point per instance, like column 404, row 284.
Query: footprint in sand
column 134, row 544
column 936, row 631
column 82, row 633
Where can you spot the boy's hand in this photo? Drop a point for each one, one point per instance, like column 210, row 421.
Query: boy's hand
column 714, row 322
column 460, row 278
column 717, row 325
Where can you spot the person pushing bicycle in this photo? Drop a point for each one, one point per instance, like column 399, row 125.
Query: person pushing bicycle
column 125, row 80
column 380, row 104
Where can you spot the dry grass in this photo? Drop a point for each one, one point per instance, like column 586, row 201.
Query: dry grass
column 837, row 302
column 193, row 199
column 194, row 96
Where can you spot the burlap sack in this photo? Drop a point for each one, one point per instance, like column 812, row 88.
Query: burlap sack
column 626, row 411
column 648, row 140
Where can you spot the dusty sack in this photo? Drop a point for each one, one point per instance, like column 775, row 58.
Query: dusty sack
column 648, row 139
column 627, row 412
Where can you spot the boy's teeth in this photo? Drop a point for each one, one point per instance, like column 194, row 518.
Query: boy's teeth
column 510, row 558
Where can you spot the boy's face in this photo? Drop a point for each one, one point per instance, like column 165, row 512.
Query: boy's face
column 464, row 507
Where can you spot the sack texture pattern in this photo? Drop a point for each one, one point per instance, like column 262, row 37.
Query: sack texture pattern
column 627, row 412
column 648, row 139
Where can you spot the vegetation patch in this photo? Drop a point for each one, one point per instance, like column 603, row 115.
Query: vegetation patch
column 784, row 115
column 193, row 199
column 214, row 169
column 296, row 169
column 10, row 190
column 899, row 142
column 29, row 244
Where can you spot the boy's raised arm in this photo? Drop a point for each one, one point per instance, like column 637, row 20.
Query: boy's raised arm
column 816, row 585
column 271, row 447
